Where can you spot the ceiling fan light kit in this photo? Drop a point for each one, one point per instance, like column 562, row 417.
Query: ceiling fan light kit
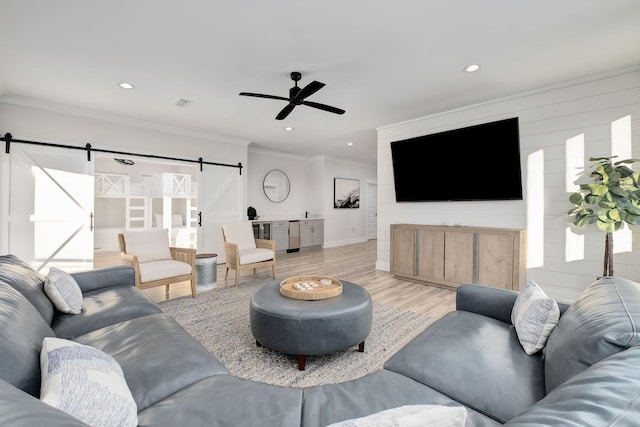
column 297, row 96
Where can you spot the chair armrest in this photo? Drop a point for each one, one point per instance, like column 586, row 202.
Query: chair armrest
column 105, row 277
column 485, row 300
column 131, row 261
column 231, row 253
column 266, row 244
column 187, row 255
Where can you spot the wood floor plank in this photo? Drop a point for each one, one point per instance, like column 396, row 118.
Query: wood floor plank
column 354, row 263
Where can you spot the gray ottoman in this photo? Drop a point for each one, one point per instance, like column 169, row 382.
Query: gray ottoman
column 305, row 328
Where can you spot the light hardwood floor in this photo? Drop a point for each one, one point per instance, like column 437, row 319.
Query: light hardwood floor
column 355, row 263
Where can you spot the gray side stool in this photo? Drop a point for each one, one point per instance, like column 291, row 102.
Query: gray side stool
column 305, row 328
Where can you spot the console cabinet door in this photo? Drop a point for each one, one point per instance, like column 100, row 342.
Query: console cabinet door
column 430, row 256
column 495, row 260
column 458, row 255
column 403, row 252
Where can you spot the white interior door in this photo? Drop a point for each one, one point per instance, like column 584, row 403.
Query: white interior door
column 48, row 214
column 372, row 211
column 220, row 200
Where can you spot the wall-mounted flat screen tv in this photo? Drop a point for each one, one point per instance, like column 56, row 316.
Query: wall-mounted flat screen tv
column 480, row 162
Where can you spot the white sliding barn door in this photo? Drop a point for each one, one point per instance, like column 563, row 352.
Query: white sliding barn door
column 220, row 200
column 47, row 207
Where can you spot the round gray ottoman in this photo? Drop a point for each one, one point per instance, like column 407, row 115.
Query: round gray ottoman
column 305, row 328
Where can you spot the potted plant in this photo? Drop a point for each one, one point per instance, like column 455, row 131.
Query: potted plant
column 610, row 199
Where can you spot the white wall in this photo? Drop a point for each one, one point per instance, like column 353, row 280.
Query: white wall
column 345, row 226
column 312, row 191
column 548, row 120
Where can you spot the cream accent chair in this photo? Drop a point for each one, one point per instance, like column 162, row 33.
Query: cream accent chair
column 154, row 262
column 244, row 251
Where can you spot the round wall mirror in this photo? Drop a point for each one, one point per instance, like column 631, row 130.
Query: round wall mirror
column 276, row 186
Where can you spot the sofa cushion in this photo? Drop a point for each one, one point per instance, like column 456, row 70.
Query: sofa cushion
column 157, row 355
column 603, row 321
column 411, row 416
column 534, row 315
column 225, row 400
column 249, row 256
column 20, row 409
column 375, row 392
column 156, row 270
column 28, row 282
column 85, row 383
column 605, row 394
column 22, row 330
column 148, row 245
column 103, row 308
column 63, row 291
column 475, row 360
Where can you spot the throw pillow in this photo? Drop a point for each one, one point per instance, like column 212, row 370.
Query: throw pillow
column 63, row 291
column 534, row 315
column 86, row 383
column 411, row 416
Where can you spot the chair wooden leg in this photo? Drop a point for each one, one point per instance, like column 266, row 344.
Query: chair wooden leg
column 193, row 288
column 273, row 270
column 237, row 282
column 226, row 273
column 167, row 291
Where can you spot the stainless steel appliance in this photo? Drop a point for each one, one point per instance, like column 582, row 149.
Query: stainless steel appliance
column 294, row 236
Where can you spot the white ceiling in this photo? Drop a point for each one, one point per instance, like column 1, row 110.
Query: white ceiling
column 382, row 61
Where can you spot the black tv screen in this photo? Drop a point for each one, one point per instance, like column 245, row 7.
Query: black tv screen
column 480, row 162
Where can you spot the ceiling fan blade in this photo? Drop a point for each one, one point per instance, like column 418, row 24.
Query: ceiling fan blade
column 260, row 95
column 285, row 111
column 323, row 107
column 309, row 90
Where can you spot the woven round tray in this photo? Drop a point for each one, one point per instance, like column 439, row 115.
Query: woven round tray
column 314, row 290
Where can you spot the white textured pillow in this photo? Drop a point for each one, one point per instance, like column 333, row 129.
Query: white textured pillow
column 534, row 315
column 148, row 245
column 411, row 416
column 86, row 383
column 63, row 291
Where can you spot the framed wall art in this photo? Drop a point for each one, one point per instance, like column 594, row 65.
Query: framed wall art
column 346, row 193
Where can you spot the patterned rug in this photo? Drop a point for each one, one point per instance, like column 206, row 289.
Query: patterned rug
column 219, row 319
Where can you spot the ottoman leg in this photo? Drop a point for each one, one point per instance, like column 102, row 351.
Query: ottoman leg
column 361, row 347
column 302, row 361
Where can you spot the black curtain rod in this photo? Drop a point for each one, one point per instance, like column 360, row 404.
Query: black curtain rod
column 8, row 138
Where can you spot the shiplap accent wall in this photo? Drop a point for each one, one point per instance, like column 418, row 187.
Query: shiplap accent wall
column 548, row 118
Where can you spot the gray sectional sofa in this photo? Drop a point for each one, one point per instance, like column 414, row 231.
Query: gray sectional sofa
column 588, row 374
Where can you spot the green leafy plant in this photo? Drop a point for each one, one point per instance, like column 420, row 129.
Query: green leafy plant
column 610, row 199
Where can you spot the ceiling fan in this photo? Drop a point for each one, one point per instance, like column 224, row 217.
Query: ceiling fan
column 297, row 97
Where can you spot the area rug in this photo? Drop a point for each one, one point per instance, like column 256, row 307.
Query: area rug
column 219, row 319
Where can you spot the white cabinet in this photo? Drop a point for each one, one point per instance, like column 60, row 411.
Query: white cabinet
column 311, row 232
column 280, row 233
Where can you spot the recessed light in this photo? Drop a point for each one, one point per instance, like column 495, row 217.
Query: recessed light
column 350, row 144
column 125, row 85
column 471, row 68
column 288, row 128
